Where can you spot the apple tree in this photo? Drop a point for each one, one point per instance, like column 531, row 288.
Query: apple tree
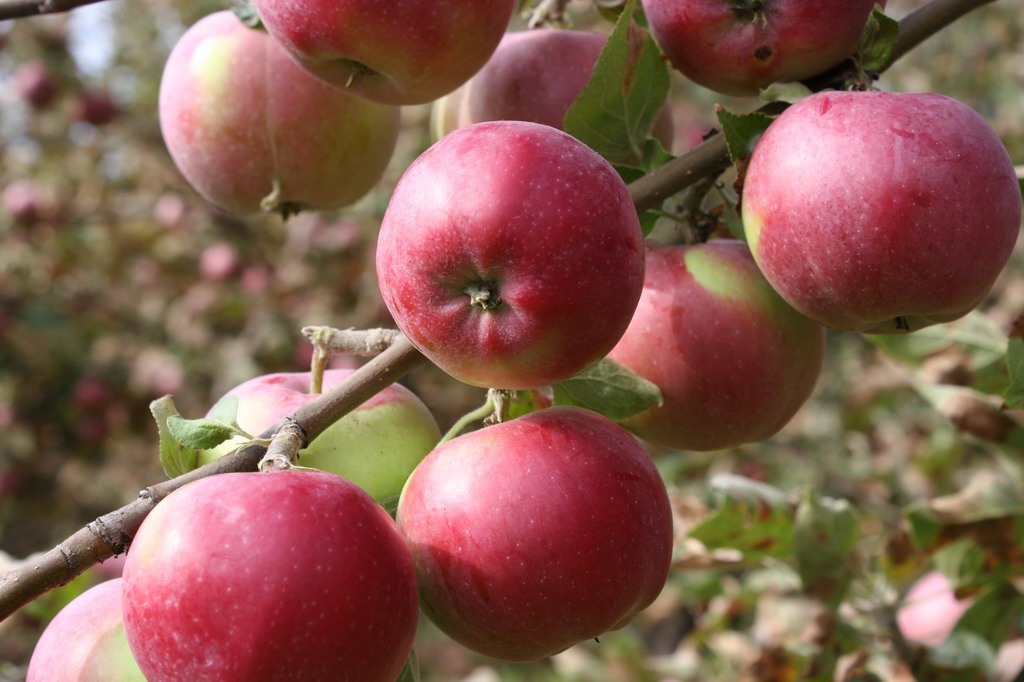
column 717, row 302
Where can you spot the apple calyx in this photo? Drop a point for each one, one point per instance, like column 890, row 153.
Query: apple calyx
column 752, row 11
column 272, row 203
column 358, row 69
column 483, row 294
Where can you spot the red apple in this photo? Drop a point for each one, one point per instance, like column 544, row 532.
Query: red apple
column 533, row 76
column 881, row 212
column 22, row 202
column 511, row 255
column 930, row 610
column 269, row 576
column 36, row 84
column 538, row 533
column 271, row 137
column 737, row 47
column 86, row 641
column 376, row 446
column 733, row 361
column 96, row 108
column 409, row 52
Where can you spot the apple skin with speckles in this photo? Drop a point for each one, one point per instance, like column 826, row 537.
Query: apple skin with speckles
column 283, row 575
column 376, row 446
column 881, row 212
column 238, row 115
column 538, row 533
column 398, row 52
column 85, row 642
column 511, row 255
column 734, row 362
column 738, row 47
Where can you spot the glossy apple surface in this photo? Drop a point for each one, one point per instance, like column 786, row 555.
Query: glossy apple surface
column 536, row 76
column 269, row 576
column 237, row 132
column 86, row 642
column 511, row 255
column 738, row 47
column 538, row 533
column 402, row 52
column 881, row 212
column 376, row 446
column 733, row 361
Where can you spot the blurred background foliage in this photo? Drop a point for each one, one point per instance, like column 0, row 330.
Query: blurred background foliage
column 118, row 285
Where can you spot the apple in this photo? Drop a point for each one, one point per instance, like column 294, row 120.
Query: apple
column 734, row 362
column 218, row 262
column 376, row 446
column 930, row 610
column 881, row 212
column 511, row 255
column 95, row 108
column 738, row 47
column 533, row 76
column 538, row 533
column 22, row 202
column 270, row 576
column 410, row 52
column 85, row 642
column 35, row 83
column 271, row 137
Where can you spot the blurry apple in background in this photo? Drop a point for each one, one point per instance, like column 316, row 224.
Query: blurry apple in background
column 533, row 76
column 218, row 262
column 273, row 138
column 95, row 108
column 538, row 533
column 733, row 361
column 930, row 610
column 35, row 84
column 409, row 52
column 881, row 212
column 21, row 201
column 511, row 255
column 376, row 446
column 85, row 642
column 269, row 576
column 738, row 47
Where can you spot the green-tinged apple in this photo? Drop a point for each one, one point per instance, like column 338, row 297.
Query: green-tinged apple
column 399, row 52
column 86, row 641
column 533, row 76
column 738, row 47
column 881, row 212
column 273, row 137
column 511, row 255
column 376, row 446
column 284, row 575
column 538, row 533
column 734, row 362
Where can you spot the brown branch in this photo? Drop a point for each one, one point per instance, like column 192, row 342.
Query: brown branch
column 20, row 9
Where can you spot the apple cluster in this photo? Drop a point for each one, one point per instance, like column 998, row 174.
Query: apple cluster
column 511, row 255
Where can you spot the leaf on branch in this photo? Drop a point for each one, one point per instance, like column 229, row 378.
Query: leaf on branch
column 608, row 387
column 1014, row 395
column 199, row 434
column 878, row 41
column 411, row 670
column 790, row 93
column 992, row 614
column 176, row 460
column 615, row 111
column 979, row 337
column 826, row 532
column 751, row 517
column 226, row 412
column 742, row 131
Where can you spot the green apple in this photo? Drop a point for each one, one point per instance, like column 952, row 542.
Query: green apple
column 376, row 446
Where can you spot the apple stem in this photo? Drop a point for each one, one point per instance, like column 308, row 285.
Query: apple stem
column 328, row 342
column 482, row 412
column 483, row 294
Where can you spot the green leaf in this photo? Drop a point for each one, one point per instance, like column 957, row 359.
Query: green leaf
column 789, row 93
column 200, row 434
column 615, row 111
column 742, row 131
column 878, row 41
column 983, row 340
column 176, row 460
column 992, row 614
column 390, row 505
column 608, row 387
column 226, row 412
column 825, row 534
column 964, row 650
column 654, row 156
column 962, row 562
column 751, row 517
column 1014, row 395
column 411, row 670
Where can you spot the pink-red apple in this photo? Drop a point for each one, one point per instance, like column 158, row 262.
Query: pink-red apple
column 881, row 212
column 538, row 533
column 404, row 52
column 35, row 83
column 737, row 47
column 533, row 76
column 249, row 129
column 86, row 641
column 269, row 576
column 511, row 255
column 930, row 610
column 376, row 446
column 733, row 361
